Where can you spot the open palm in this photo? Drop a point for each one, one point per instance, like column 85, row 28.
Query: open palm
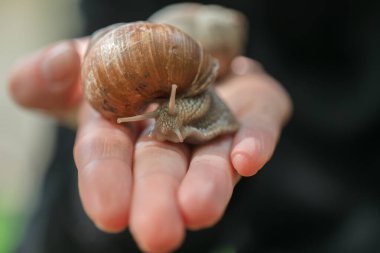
column 158, row 189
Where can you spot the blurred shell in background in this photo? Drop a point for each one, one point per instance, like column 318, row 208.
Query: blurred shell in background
column 222, row 31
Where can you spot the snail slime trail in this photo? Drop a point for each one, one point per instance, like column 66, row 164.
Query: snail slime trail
column 129, row 66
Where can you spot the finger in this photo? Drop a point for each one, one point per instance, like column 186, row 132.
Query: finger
column 49, row 79
column 262, row 106
column 103, row 155
column 242, row 65
column 155, row 221
column 208, row 185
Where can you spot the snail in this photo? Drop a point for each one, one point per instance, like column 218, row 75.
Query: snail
column 222, row 31
column 129, row 66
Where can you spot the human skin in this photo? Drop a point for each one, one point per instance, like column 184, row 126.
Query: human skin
column 157, row 189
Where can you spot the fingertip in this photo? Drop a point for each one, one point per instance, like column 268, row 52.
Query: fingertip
column 201, row 211
column 242, row 65
column 106, row 200
column 154, row 238
column 47, row 78
column 156, row 222
column 60, row 66
column 245, row 165
column 252, row 148
column 111, row 226
column 19, row 78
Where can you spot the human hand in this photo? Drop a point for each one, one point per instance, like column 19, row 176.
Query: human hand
column 158, row 189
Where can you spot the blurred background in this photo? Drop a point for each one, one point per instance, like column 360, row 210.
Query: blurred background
column 25, row 136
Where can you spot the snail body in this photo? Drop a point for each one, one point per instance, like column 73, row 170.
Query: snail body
column 198, row 119
column 129, row 66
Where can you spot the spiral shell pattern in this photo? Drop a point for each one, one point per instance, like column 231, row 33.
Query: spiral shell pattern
column 131, row 65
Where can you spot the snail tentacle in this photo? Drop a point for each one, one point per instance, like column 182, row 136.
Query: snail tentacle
column 145, row 116
column 172, row 109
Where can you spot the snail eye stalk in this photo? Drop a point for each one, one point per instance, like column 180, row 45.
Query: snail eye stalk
column 172, row 100
column 148, row 115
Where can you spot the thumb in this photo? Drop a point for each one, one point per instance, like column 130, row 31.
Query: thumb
column 48, row 79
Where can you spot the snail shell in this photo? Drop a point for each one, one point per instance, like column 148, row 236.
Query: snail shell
column 131, row 65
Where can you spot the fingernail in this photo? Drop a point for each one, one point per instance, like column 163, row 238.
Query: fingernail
column 244, row 153
column 238, row 160
column 57, row 67
column 244, row 165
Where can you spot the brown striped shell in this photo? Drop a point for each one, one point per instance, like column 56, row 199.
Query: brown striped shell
column 131, row 65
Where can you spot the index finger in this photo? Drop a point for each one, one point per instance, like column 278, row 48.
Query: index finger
column 103, row 155
column 48, row 79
